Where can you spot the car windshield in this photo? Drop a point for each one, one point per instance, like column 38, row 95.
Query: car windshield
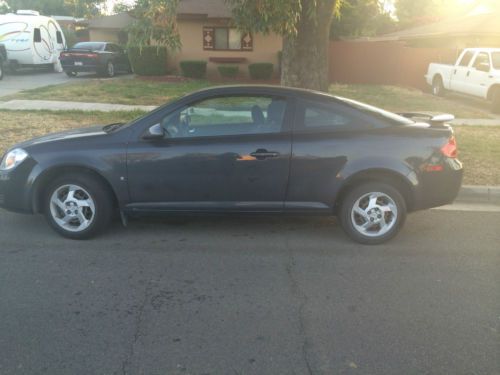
column 377, row 112
column 495, row 56
column 89, row 46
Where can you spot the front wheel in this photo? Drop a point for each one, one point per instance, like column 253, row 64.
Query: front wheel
column 372, row 213
column 77, row 206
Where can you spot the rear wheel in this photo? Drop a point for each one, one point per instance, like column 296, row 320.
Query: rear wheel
column 110, row 69
column 438, row 87
column 495, row 98
column 77, row 206
column 372, row 213
column 71, row 74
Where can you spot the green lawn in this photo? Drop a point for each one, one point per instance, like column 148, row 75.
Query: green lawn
column 143, row 92
column 478, row 146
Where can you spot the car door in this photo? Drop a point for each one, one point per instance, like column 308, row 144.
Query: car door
column 479, row 77
column 326, row 136
column 121, row 57
column 461, row 72
column 220, row 153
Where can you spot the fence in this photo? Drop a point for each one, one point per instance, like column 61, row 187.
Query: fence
column 389, row 63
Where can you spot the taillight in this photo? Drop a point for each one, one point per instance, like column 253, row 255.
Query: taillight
column 450, row 149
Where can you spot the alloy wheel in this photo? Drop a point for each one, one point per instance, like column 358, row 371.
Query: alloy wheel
column 72, row 208
column 374, row 214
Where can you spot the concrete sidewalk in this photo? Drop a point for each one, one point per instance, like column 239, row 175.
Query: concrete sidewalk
column 51, row 105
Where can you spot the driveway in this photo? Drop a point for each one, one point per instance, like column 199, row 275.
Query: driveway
column 251, row 295
column 13, row 83
column 26, row 80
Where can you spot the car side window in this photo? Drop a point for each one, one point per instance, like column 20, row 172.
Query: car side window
column 328, row 117
column 482, row 59
column 466, row 58
column 227, row 115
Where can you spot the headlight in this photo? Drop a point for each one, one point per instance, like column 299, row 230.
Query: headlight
column 13, row 159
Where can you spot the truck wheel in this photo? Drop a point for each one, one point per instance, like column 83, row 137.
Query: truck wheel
column 438, row 87
column 77, row 206
column 495, row 108
column 372, row 213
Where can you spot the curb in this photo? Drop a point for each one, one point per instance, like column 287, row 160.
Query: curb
column 484, row 194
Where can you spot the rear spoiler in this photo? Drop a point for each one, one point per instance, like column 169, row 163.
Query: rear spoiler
column 436, row 120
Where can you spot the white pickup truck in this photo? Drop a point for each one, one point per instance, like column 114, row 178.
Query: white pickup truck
column 476, row 73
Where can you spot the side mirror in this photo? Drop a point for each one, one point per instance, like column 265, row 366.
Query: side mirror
column 154, row 132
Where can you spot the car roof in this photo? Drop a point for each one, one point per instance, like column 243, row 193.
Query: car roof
column 270, row 89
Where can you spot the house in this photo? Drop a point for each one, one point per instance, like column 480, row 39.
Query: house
column 402, row 58
column 206, row 33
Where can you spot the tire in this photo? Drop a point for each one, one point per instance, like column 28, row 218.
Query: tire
column 77, row 206
column 495, row 101
column 438, row 87
column 109, row 71
column 71, row 74
column 366, row 225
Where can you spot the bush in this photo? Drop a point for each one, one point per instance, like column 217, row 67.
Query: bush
column 194, row 68
column 228, row 71
column 148, row 60
column 261, row 70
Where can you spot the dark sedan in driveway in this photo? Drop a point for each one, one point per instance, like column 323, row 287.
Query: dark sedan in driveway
column 102, row 58
column 240, row 149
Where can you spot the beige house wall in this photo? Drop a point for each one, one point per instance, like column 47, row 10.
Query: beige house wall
column 103, row 35
column 265, row 48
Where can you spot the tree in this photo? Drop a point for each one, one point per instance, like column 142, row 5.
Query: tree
column 74, row 8
column 305, row 27
column 155, row 24
column 362, row 18
column 414, row 13
column 121, row 7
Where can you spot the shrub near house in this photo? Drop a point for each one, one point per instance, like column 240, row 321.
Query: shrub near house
column 148, row 60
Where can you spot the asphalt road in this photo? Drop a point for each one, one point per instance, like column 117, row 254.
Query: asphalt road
column 251, row 296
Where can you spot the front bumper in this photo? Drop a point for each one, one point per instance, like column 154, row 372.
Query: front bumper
column 16, row 189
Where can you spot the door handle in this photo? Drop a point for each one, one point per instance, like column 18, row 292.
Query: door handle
column 468, row 73
column 262, row 154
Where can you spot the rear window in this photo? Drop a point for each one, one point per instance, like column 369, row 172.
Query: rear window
column 495, row 56
column 89, row 46
column 377, row 112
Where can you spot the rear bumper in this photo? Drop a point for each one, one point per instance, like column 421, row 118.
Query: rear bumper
column 441, row 187
column 80, row 68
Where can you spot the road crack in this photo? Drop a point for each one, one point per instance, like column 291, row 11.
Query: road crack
column 137, row 327
column 296, row 291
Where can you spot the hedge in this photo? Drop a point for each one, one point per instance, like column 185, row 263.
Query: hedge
column 194, row 68
column 228, row 71
column 148, row 60
column 261, row 70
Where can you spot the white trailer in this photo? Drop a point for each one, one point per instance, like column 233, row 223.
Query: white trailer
column 31, row 40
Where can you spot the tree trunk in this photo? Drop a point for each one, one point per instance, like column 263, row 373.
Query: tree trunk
column 305, row 60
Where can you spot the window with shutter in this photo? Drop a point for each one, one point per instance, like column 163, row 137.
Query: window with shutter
column 208, row 38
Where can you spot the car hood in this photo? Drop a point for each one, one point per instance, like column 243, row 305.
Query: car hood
column 93, row 131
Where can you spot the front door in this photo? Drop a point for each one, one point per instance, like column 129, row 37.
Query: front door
column 219, row 153
column 479, row 78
